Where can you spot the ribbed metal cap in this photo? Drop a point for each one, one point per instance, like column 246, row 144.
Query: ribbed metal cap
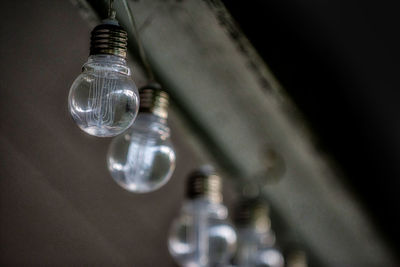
column 254, row 213
column 109, row 38
column 154, row 100
column 204, row 182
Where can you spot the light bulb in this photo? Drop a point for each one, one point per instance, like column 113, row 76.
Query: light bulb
column 202, row 236
column 103, row 99
column 143, row 159
column 256, row 240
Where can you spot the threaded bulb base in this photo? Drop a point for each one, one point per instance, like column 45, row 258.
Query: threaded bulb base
column 154, row 100
column 253, row 213
column 109, row 38
column 205, row 183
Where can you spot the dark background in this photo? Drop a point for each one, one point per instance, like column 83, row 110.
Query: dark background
column 340, row 62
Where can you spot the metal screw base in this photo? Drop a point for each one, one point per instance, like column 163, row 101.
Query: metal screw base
column 109, row 39
column 205, row 183
column 154, row 100
column 254, row 213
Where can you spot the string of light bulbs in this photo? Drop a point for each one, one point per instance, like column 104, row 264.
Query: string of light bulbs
column 143, row 159
column 104, row 102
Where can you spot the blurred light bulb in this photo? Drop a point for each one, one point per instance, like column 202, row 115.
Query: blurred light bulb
column 143, row 159
column 103, row 99
column 201, row 236
column 255, row 238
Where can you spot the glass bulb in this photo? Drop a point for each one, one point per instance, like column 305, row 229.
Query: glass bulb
column 269, row 257
column 201, row 236
column 103, row 100
column 256, row 249
column 143, row 159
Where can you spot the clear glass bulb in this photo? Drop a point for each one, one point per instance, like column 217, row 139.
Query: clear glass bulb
column 256, row 249
column 142, row 159
column 103, row 100
column 201, row 236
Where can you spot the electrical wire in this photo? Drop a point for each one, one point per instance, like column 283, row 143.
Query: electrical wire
column 142, row 54
column 110, row 8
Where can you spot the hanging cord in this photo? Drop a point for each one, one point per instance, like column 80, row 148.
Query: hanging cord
column 111, row 11
column 142, row 54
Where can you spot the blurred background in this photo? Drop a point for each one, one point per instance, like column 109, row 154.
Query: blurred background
column 293, row 100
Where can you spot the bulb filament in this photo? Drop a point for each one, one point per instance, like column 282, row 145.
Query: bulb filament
column 102, row 101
